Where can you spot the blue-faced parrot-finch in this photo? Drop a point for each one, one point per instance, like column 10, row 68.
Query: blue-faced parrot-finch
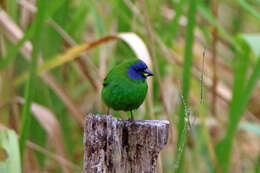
column 125, row 86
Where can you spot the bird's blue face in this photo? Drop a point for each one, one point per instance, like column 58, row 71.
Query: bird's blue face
column 139, row 71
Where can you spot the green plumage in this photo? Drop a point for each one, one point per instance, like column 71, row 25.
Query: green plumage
column 121, row 92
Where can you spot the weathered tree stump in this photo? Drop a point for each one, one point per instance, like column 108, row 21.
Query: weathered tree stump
column 119, row 146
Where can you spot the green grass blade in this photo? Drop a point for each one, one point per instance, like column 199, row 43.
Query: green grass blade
column 240, row 99
column 76, row 26
column 257, row 166
column 9, row 152
column 207, row 15
column 40, row 16
column 27, row 35
column 249, row 9
column 124, row 15
column 186, row 80
column 12, row 9
column 223, row 148
column 53, row 6
column 16, row 48
column 173, row 26
column 250, row 86
column 241, row 66
column 253, row 40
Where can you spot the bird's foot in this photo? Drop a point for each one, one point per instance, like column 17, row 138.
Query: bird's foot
column 131, row 119
column 108, row 111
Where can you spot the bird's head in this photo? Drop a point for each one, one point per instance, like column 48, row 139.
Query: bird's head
column 139, row 70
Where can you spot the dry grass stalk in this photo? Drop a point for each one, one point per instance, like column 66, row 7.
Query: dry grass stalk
column 14, row 34
column 27, row 8
column 51, row 125
column 83, row 66
column 214, row 8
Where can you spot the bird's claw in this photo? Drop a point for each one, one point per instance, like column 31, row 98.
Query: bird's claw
column 131, row 119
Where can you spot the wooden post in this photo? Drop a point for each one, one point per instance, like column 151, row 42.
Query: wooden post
column 112, row 145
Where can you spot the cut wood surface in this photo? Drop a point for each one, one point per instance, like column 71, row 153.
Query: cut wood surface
column 112, row 145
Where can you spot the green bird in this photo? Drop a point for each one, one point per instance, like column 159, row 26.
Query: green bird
column 125, row 86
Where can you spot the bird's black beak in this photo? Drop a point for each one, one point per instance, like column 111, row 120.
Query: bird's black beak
column 147, row 73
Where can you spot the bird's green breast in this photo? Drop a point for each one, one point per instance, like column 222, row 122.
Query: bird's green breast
column 121, row 92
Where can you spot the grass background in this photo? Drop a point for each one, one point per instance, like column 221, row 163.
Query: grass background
column 206, row 60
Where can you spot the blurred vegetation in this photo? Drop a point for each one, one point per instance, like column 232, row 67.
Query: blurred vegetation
column 205, row 56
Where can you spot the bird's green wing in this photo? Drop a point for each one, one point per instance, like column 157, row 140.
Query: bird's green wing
column 113, row 76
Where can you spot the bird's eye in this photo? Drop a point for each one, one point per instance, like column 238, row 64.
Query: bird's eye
column 140, row 69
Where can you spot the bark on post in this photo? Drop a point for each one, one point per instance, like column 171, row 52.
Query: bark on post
column 119, row 146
